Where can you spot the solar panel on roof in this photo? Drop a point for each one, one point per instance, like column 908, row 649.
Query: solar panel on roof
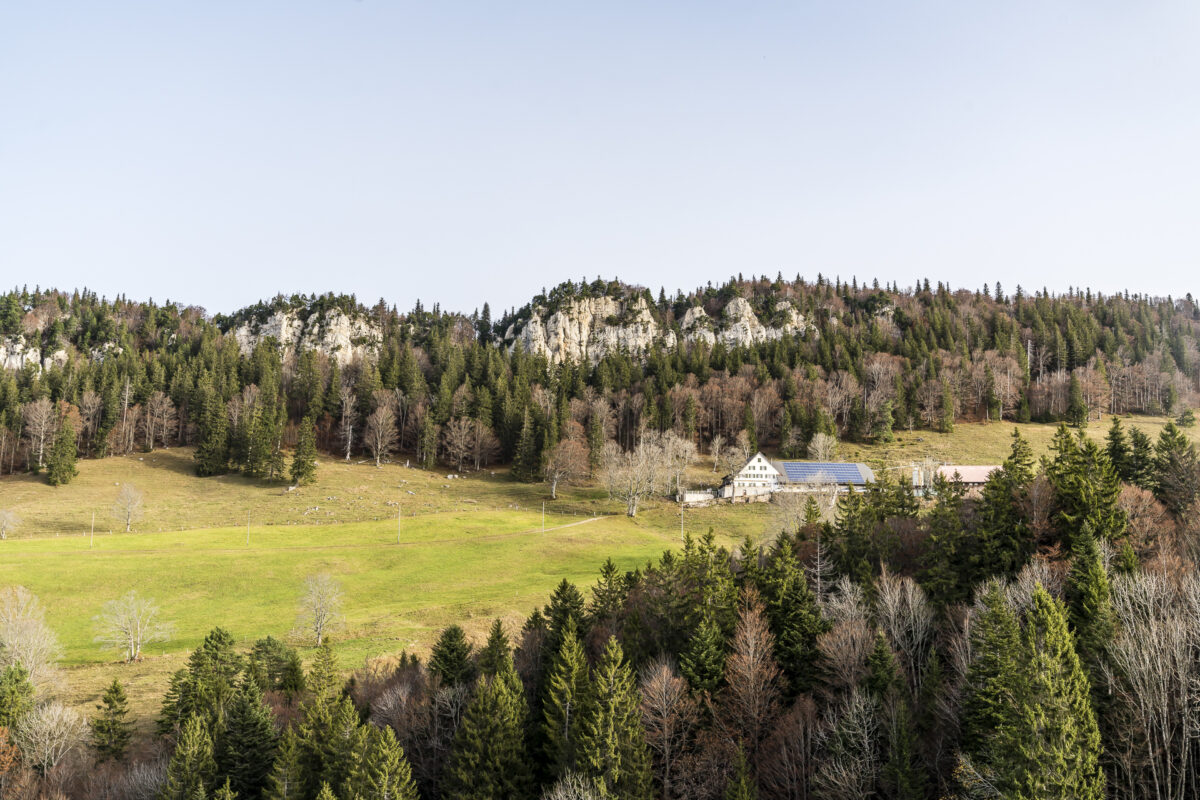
column 808, row 471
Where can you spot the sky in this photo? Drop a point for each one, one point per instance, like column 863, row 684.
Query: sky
column 220, row 152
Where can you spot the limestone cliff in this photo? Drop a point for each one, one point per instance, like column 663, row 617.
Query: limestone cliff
column 17, row 353
column 341, row 337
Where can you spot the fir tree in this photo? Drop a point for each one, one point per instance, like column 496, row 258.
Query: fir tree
column 60, row 461
column 212, row 449
column 567, row 693
column 948, row 575
column 450, row 659
column 225, row 792
column 881, row 678
column 1089, row 603
column 608, row 595
column 1077, row 410
column 740, row 785
column 111, row 728
column 497, row 650
column 995, row 643
column 322, row 679
column 248, row 744
column 304, row 458
column 1141, row 459
column 192, row 769
column 1117, row 449
column 1176, row 471
column 904, row 776
column 527, row 458
column 612, row 746
column 1086, row 490
column 326, row 793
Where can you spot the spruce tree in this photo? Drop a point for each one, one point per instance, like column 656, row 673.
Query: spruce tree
column 1089, row 603
column 450, row 659
column 1117, row 449
column 989, row 693
column 60, row 461
column 703, row 662
column 793, row 616
column 948, row 575
column 1077, row 410
column 381, row 771
column 1047, row 744
column 286, row 781
column 904, row 775
column 496, row 651
column 567, row 693
column 248, row 743
column 612, row 745
column 527, row 458
column 111, row 728
column 881, row 678
column 1086, row 490
column 192, row 769
column 740, row 785
column 488, row 760
column 225, row 792
column 1176, row 471
column 322, row 679
column 212, row 449
column 304, row 458
column 1141, row 459
column 16, row 695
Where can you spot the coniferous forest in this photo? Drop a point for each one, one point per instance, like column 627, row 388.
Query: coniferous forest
column 1039, row 638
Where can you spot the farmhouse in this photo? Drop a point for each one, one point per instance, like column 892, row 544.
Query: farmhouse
column 971, row 476
column 762, row 477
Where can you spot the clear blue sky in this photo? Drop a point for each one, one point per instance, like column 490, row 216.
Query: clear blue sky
column 220, row 152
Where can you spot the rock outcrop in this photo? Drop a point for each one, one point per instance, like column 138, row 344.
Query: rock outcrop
column 16, row 353
column 340, row 337
column 587, row 329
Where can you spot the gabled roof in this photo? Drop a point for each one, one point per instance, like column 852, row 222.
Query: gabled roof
column 967, row 473
column 841, row 472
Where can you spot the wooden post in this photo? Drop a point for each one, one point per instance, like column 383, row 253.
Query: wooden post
column 247, row 529
column 93, row 541
column 399, row 514
column 543, row 516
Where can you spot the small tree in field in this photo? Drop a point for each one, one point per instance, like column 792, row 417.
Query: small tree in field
column 129, row 623
column 568, row 462
column 9, row 521
column 320, row 608
column 111, row 728
column 127, row 508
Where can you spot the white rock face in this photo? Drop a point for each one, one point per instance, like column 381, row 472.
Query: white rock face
column 588, row 329
column 16, row 353
column 336, row 335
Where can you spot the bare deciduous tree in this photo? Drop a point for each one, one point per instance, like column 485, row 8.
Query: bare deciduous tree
column 48, row 734
column 851, row 768
column 632, row 475
column 380, row 432
column 822, row 447
column 349, row 404
column 749, row 703
column 568, row 462
column 90, row 406
column 9, row 522
column 457, row 438
column 160, row 419
column 40, row 420
column 572, row 787
column 129, row 623
column 128, row 507
column 670, row 715
column 715, row 447
column 485, row 447
column 25, row 638
column 321, row 605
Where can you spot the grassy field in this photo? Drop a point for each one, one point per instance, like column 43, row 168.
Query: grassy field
column 462, row 550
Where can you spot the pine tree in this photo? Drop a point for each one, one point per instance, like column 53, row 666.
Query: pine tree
column 1117, row 449
column 286, row 781
column 567, row 693
column 60, row 461
column 527, row 458
column 304, row 458
column 111, row 728
column 989, row 694
column 1141, row 459
column 904, row 776
column 1086, row 490
column 192, row 768
column 248, row 743
column 322, row 679
column 703, row 663
column 948, row 576
column 16, row 695
column 225, row 792
column 381, row 771
column 740, row 785
column 1077, row 410
column 1176, row 471
column 488, row 760
column 612, row 746
column 326, row 793
column 450, row 659
column 881, row 678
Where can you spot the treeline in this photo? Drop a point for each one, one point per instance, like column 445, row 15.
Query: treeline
column 1036, row 641
column 129, row 376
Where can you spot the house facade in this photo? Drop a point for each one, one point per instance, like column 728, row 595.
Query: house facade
column 762, row 477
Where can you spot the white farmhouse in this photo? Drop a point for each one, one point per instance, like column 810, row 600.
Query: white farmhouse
column 758, row 476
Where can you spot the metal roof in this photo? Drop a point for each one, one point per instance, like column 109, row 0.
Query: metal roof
column 857, row 474
column 966, row 473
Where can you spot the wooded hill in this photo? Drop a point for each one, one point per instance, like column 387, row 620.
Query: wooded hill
column 128, row 375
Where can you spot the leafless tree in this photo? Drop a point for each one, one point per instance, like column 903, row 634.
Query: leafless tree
column 48, row 734
column 129, row 623
column 128, row 507
column 160, row 419
column 9, row 522
column 790, row 753
column 670, row 715
column 738, row 453
column 678, row 454
column 715, row 447
column 787, row 515
column 850, row 771
column 90, row 406
column 321, row 606
column 822, row 447
column 568, row 462
column 380, row 432
column 572, row 787
column 633, row 475
column 749, row 703
column 40, row 420
column 349, row 401
column 909, row 622
column 25, row 638
column 458, row 436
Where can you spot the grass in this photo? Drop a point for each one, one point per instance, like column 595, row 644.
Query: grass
column 470, row 549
